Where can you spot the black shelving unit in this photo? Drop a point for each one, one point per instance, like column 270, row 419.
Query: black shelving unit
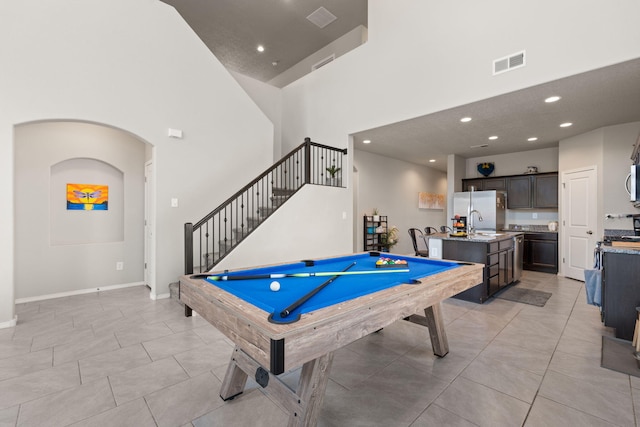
column 375, row 227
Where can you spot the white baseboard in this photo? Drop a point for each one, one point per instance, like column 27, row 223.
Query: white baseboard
column 160, row 296
column 78, row 292
column 10, row 323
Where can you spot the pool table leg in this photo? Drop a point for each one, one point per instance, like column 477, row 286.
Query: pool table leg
column 437, row 333
column 311, row 389
column 235, row 379
column 303, row 405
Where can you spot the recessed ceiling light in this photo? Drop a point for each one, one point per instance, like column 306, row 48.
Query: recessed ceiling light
column 493, row 138
column 465, row 119
column 566, row 125
column 532, row 139
column 366, row 141
column 260, row 48
column 432, row 160
column 552, row 99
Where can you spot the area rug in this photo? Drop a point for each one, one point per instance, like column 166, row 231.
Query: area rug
column 525, row 296
column 617, row 355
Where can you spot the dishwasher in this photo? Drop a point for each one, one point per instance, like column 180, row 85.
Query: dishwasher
column 518, row 248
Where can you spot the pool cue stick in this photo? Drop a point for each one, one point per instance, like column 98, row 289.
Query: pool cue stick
column 287, row 311
column 303, row 275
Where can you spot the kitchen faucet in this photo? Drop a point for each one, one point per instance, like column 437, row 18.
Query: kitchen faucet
column 470, row 226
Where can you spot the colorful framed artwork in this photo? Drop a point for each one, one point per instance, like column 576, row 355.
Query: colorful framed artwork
column 430, row 201
column 87, row 197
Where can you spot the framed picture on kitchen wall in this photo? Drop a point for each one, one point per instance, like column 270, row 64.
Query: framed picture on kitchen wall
column 430, row 201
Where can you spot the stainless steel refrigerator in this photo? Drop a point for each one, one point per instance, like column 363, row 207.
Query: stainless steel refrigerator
column 488, row 205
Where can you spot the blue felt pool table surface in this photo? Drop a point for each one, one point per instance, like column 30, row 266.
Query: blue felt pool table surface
column 343, row 288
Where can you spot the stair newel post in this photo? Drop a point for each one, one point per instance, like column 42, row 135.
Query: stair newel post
column 307, row 160
column 188, row 248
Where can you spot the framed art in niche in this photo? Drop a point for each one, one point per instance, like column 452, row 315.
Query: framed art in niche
column 87, row 197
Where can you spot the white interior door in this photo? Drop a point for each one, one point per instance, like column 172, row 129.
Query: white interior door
column 579, row 231
column 149, row 253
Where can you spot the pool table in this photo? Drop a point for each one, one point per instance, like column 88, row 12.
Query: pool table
column 361, row 300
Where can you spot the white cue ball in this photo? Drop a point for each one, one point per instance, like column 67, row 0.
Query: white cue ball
column 275, row 286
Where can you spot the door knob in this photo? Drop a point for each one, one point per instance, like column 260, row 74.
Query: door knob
column 589, row 232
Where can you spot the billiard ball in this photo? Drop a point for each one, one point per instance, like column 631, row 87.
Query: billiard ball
column 274, row 286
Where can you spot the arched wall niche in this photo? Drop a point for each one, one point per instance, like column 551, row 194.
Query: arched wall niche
column 79, row 250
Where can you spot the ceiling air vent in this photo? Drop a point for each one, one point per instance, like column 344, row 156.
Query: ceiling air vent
column 509, row 63
column 322, row 17
column 323, row 62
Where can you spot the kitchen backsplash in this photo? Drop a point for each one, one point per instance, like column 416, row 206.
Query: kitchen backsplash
column 529, row 217
column 612, row 232
column 528, row 227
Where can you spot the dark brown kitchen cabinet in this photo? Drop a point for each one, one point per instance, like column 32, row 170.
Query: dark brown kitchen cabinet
column 545, row 191
column 519, row 192
column 540, row 252
column 478, row 184
column 497, row 256
column 484, row 184
column 620, row 292
column 494, row 184
column 538, row 191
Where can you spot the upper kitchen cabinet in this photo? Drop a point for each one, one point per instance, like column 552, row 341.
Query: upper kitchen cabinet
column 545, row 191
column 484, row 184
column 519, row 192
column 538, row 191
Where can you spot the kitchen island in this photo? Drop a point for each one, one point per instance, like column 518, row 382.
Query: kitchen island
column 494, row 250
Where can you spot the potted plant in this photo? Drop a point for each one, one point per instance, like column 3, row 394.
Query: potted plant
column 390, row 238
column 333, row 180
column 375, row 215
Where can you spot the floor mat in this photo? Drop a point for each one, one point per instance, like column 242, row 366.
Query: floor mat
column 524, row 295
column 617, row 355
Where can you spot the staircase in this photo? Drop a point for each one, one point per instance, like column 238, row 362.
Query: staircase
column 212, row 238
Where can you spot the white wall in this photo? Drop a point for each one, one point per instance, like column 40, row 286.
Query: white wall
column 269, row 99
column 133, row 65
column 609, row 150
column 423, row 57
column 546, row 160
column 392, row 186
column 76, row 249
column 302, row 228
column 617, row 148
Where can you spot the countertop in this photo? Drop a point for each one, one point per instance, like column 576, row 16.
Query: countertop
column 620, row 249
column 608, row 247
column 482, row 237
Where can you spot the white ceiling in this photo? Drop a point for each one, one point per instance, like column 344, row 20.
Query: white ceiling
column 599, row 98
column 232, row 29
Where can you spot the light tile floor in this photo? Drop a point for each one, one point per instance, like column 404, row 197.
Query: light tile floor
column 117, row 358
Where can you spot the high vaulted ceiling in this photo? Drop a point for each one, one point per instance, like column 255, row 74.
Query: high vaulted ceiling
column 232, row 29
